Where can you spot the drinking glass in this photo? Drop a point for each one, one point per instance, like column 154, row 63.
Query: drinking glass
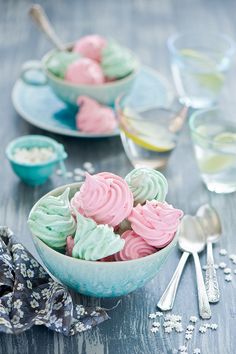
column 199, row 64
column 214, row 140
column 149, row 133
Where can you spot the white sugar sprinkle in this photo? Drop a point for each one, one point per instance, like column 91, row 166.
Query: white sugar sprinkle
column 190, row 327
column 227, row 270
column 178, row 327
column 182, row 348
column 156, row 324
column 232, row 257
column 152, row 315
column 197, row 351
column 59, row 172
column 202, row 329
column 216, row 266
column 33, row 155
column 222, row 265
column 154, row 329
column 87, row 165
column 204, row 267
column 69, row 174
column 188, row 336
column 234, row 271
column 159, row 314
column 168, row 329
column 193, row 319
column 223, row 252
column 228, row 277
column 214, row 326
column 78, row 178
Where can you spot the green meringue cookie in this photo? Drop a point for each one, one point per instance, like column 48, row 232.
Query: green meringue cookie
column 93, row 242
column 52, row 221
column 147, row 184
column 117, row 61
column 58, row 63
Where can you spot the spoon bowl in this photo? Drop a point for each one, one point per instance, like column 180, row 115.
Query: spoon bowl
column 191, row 237
column 210, row 222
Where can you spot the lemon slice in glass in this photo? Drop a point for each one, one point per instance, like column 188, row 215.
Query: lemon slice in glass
column 210, row 78
column 225, row 138
column 215, row 163
column 150, row 142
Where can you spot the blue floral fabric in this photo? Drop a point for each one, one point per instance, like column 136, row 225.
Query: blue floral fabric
column 29, row 296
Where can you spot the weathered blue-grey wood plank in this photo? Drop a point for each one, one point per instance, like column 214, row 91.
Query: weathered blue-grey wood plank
column 143, row 26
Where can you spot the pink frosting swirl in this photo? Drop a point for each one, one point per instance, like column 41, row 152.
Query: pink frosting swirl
column 84, row 71
column 93, row 117
column 135, row 247
column 105, row 198
column 91, row 46
column 155, row 222
column 69, row 245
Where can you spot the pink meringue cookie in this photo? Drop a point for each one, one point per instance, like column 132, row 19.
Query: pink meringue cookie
column 84, row 71
column 93, row 117
column 135, row 247
column 155, row 222
column 69, row 245
column 105, row 198
column 91, row 46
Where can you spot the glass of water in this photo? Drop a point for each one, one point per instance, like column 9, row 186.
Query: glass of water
column 214, row 138
column 199, row 64
column 149, row 133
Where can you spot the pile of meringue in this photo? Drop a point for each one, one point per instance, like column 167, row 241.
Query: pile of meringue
column 109, row 218
column 93, row 60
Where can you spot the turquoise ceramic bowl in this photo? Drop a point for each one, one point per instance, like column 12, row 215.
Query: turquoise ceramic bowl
column 69, row 92
column 100, row 279
column 35, row 174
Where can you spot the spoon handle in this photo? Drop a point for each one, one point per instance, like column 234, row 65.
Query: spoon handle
column 39, row 16
column 166, row 302
column 203, row 303
column 212, row 287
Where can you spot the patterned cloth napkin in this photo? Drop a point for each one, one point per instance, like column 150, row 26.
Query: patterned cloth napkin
column 29, row 296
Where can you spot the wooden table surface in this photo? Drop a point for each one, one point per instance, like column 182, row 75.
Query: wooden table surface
column 144, row 27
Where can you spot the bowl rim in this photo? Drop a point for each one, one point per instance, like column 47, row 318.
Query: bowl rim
column 10, row 147
column 137, row 260
column 115, row 83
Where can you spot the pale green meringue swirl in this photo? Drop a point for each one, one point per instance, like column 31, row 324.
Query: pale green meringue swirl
column 58, row 63
column 117, row 61
column 93, row 242
column 147, row 184
column 52, row 222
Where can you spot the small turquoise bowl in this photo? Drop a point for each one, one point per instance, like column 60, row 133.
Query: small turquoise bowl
column 35, row 174
column 95, row 278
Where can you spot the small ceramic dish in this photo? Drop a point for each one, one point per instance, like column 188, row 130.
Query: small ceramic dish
column 69, row 92
column 96, row 278
column 35, row 174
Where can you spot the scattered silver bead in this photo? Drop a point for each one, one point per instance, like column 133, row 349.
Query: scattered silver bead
column 223, row 252
column 87, row 165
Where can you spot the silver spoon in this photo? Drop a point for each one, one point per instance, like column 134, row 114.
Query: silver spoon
column 210, row 222
column 191, row 240
column 39, row 16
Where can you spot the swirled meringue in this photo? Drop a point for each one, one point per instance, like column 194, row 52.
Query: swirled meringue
column 57, row 63
column 93, row 117
column 84, row 71
column 51, row 220
column 155, row 222
column 135, row 247
column 117, row 61
column 93, row 242
column 104, row 197
column 90, row 46
column 147, row 184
